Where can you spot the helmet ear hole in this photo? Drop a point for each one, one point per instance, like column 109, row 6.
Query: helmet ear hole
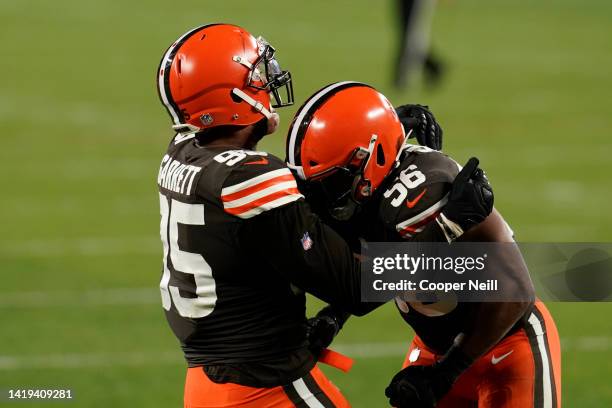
column 380, row 155
column 235, row 97
column 313, row 163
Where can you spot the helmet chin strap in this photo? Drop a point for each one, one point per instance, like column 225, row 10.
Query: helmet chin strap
column 258, row 106
column 362, row 186
column 185, row 129
column 371, row 145
column 402, row 148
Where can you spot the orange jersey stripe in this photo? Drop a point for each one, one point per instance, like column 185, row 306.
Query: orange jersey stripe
column 260, row 186
column 413, row 229
column 261, row 201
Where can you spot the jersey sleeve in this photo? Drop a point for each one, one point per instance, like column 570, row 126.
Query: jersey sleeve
column 409, row 222
column 258, row 183
column 418, row 194
column 302, row 250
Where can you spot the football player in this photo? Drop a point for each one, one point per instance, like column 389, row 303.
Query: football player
column 240, row 245
column 346, row 147
column 414, row 52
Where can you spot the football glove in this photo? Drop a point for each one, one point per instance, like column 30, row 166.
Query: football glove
column 470, row 201
column 424, row 386
column 322, row 328
column 423, row 124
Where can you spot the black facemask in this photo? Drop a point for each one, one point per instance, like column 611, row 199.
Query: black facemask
column 267, row 74
column 332, row 195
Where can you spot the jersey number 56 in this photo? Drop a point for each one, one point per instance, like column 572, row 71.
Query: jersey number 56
column 408, row 179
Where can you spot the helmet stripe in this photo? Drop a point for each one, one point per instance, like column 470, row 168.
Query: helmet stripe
column 163, row 75
column 302, row 119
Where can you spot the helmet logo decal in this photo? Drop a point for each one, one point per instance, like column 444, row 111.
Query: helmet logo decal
column 206, row 119
column 306, row 241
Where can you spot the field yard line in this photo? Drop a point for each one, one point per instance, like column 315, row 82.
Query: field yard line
column 85, row 246
column 81, row 360
column 166, row 357
column 95, row 297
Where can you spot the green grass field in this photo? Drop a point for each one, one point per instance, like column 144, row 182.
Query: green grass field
column 528, row 92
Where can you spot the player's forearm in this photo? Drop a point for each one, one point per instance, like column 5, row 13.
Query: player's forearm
column 308, row 254
column 491, row 321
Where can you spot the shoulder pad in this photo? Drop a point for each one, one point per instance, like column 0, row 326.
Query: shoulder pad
column 417, row 190
column 258, row 182
column 435, row 165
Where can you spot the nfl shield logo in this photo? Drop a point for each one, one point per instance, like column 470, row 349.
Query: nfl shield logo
column 306, row 242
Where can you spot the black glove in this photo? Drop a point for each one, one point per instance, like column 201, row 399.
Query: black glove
column 424, row 386
column 470, row 200
column 322, row 328
column 423, row 124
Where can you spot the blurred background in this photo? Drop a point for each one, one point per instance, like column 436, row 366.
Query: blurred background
column 526, row 89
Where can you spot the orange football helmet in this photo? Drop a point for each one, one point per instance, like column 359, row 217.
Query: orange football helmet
column 219, row 74
column 345, row 139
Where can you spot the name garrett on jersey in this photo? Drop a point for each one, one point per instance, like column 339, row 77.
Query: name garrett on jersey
column 176, row 176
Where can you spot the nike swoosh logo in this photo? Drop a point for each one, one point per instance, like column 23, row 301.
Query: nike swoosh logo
column 495, row 360
column 414, row 202
column 263, row 160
